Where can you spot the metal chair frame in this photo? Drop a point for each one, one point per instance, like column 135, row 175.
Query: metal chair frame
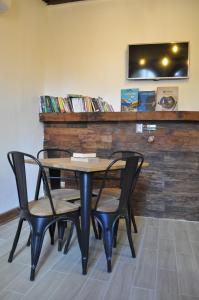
column 123, row 154
column 108, row 220
column 38, row 224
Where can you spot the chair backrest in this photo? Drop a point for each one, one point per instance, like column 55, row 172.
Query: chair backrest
column 127, row 178
column 17, row 162
column 128, row 153
column 54, row 174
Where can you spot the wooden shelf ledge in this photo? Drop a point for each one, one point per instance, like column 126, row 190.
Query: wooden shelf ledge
column 119, row 116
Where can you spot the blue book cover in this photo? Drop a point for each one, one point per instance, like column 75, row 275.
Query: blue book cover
column 129, row 99
column 146, row 101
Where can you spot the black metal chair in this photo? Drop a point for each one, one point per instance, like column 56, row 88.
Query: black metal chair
column 107, row 213
column 55, row 175
column 57, row 192
column 43, row 213
column 116, row 191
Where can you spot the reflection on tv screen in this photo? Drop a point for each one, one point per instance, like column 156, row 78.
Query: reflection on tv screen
column 166, row 60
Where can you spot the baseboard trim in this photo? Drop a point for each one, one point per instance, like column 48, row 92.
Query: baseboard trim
column 9, row 215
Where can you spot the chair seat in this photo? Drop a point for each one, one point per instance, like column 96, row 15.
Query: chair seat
column 42, row 207
column 65, row 194
column 113, row 192
column 106, row 203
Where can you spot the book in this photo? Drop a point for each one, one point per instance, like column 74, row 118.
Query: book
column 129, row 99
column 95, row 105
column 61, row 104
column 167, row 99
column 73, row 103
column 84, row 155
column 146, row 101
column 49, row 107
column 84, row 159
column 53, row 104
column 57, row 104
column 43, row 104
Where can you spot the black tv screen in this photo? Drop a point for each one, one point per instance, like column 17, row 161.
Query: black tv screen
column 158, row 61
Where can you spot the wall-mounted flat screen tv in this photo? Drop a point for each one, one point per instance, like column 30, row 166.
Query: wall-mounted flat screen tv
column 158, row 61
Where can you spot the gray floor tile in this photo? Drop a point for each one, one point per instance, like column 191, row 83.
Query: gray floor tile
column 90, row 293
column 167, row 260
column 188, row 298
column 182, row 241
column 8, row 273
column 166, row 229
column 188, row 275
column 145, row 274
column 69, row 287
column 193, row 230
column 9, row 295
column 150, row 239
column 43, row 288
column 121, row 282
column 167, row 285
column 141, row 294
column 170, row 247
column 166, row 245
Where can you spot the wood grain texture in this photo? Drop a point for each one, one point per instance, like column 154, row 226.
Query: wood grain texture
column 54, row 2
column 169, row 187
column 9, row 215
column 120, row 116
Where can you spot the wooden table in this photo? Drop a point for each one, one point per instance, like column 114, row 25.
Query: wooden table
column 86, row 170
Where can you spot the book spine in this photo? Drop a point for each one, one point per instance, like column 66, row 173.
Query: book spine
column 53, row 104
column 48, row 104
column 57, row 104
column 43, row 104
column 61, row 104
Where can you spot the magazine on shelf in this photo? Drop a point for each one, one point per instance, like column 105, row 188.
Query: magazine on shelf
column 146, row 101
column 129, row 99
column 167, row 99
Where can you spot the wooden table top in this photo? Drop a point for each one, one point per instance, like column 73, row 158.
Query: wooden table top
column 88, row 165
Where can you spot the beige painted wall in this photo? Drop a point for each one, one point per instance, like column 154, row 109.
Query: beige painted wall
column 79, row 48
column 87, row 45
column 21, row 82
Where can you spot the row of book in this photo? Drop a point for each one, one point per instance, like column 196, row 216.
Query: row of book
column 73, row 103
column 163, row 99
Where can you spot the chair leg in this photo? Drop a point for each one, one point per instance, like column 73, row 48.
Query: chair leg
column 131, row 216
column 115, row 233
column 78, row 230
column 133, row 219
column 16, row 239
column 37, row 237
column 52, row 233
column 69, row 238
column 94, row 227
column 29, row 240
column 128, row 229
column 107, row 233
column 108, row 243
column 61, row 229
column 134, row 223
column 99, row 231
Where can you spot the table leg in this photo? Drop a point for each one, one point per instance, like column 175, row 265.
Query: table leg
column 86, row 196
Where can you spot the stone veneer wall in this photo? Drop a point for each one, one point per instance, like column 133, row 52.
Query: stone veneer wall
column 170, row 186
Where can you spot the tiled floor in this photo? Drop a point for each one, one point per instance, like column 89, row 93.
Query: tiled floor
column 166, row 267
